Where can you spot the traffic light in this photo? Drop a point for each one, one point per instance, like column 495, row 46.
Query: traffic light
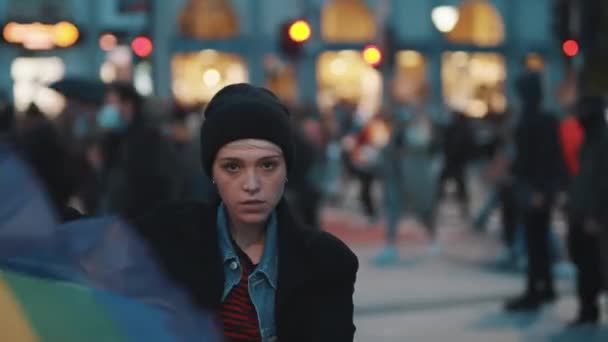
column 372, row 55
column 142, row 46
column 293, row 34
column 299, row 31
column 570, row 48
column 381, row 53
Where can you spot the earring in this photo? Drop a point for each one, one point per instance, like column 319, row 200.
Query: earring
column 286, row 179
column 213, row 181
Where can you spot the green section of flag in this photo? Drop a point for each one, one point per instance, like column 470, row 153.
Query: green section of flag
column 59, row 311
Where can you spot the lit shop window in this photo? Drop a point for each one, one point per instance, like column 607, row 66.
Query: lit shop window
column 474, row 82
column 281, row 78
column 209, row 19
column 347, row 21
column 344, row 75
column 198, row 76
column 31, row 79
column 479, row 23
column 409, row 84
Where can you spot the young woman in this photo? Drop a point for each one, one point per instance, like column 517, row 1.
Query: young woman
column 267, row 277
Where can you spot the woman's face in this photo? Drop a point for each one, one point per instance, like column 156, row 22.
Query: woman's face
column 250, row 175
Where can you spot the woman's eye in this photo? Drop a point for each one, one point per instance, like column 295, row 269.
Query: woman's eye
column 269, row 165
column 231, row 167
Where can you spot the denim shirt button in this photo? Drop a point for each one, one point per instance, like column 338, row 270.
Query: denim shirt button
column 233, row 265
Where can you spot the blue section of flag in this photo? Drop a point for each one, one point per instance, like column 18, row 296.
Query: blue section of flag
column 103, row 254
column 136, row 320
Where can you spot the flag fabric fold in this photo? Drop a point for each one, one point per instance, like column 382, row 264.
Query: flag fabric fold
column 87, row 280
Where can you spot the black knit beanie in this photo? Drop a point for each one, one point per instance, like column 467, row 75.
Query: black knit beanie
column 243, row 111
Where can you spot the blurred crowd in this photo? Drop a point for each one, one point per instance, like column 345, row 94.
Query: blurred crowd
column 112, row 151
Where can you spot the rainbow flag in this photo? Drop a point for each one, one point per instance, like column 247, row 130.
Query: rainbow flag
column 87, row 280
column 38, row 309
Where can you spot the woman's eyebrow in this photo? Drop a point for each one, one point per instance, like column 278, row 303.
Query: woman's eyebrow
column 271, row 156
column 229, row 159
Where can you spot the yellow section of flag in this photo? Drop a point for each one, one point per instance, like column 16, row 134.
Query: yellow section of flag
column 14, row 325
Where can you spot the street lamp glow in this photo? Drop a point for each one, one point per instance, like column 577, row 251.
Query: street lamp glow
column 212, row 78
column 445, row 18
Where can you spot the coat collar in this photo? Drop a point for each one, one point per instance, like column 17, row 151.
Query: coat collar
column 269, row 262
column 291, row 244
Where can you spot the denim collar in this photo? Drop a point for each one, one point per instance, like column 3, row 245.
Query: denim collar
column 268, row 264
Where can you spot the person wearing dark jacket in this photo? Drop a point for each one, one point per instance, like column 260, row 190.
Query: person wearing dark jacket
column 457, row 145
column 303, row 194
column 137, row 160
column 247, row 258
column 539, row 171
column 57, row 168
column 587, row 214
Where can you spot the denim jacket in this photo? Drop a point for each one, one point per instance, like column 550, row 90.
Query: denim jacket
column 262, row 281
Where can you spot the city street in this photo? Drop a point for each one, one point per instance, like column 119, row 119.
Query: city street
column 457, row 296
column 446, row 118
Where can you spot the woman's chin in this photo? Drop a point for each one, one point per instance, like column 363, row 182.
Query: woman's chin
column 253, row 217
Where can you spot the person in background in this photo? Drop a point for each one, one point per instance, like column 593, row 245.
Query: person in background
column 248, row 259
column 53, row 163
column 180, row 132
column 303, row 189
column 587, row 208
column 457, row 148
column 339, row 125
column 498, row 175
column 359, row 160
column 7, row 121
column 538, row 171
column 410, row 177
column 136, row 159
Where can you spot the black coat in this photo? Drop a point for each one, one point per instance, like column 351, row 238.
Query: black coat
column 314, row 301
column 539, row 165
column 140, row 171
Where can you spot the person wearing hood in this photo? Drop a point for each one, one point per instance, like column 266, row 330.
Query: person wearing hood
column 587, row 208
column 539, row 172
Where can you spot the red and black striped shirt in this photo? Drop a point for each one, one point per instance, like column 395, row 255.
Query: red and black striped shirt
column 238, row 314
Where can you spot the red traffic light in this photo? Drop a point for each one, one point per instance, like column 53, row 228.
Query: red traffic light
column 299, row 31
column 372, row 55
column 142, row 46
column 570, row 47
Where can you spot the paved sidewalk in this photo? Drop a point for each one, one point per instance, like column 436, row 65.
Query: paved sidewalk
column 450, row 299
column 453, row 297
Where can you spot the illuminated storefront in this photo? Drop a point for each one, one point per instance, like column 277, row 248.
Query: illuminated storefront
column 345, row 74
column 31, row 79
column 198, row 76
column 449, row 54
column 198, row 73
column 410, row 80
column 127, row 62
column 474, row 82
column 31, row 75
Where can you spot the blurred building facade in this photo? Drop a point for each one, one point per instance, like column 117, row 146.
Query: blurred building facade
column 466, row 59
column 40, row 54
